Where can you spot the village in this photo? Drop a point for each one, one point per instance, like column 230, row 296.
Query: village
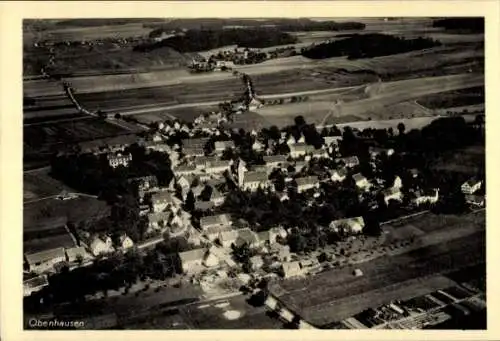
column 228, row 248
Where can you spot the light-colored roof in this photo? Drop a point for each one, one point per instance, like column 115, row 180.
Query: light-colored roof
column 221, row 145
column 275, row 158
column 36, row 282
column 193, row 150
column 157, row 217
column 204, row 205
column 246, row 235
column 291, row 268
column 163, row 196
column 358, row 177
column 390, row 191
column 308, row 180
column 45, row 256
column 215, row 229
column 220, row 219
column 350, row 160
column 301, row 147
column 351, row 222
column 255, row 177
column 199, row 143
column 231, row 235
column 472, row 182
column 332, row 139
column 184, row 168
column 192, row 255
column 340, row 171
column 75, row 251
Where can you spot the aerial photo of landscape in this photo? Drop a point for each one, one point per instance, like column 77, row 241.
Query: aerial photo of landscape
column 278, row 173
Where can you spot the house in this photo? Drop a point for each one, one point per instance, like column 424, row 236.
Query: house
column 300, row 166
column 215, row 221
column 158, row 220
column 218, row 167
column 471, row 186
column 310, row 264
column 35, row 284
column 195, row 143
column 210, row 259
column 254, row 180
column 163, row 199
column 100, row 246
column 45, row 261
column 214, row 232
column 217, row 197
column 193, row 151
column 277, row 232
column 204, row 206
column 275, row 161
column 375, row 151
column 423, row 197
column 306, row 183
column 264, row 237
column 319, row 153
column 350, row 161
column 283, row 196
column 392, row 194
column 332, row 140
column 75, row 254
column 228, row 238
column 349, row 225
column 257, row 146
column 125, row 242
column 300, row 149
column 158, row 147
column 119, row 159
column 291, row 269
column 256, row 262
column 221, row 146
column 339, row 174
column 361, row 181
column 282, row 252
column 475, row 200
column 247, row 236
column 192, row 260
column 398, row 183
column 184, row 170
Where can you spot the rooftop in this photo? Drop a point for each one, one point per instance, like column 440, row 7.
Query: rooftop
column 44, row 256
column 308, row 180
column 255, row 176
column 192, row 255
column 220, row 219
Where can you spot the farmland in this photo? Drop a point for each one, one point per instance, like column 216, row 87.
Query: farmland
column 384, row 279
column 456, row 98
column 452, row 243
column 41, row 140
column 39, row 184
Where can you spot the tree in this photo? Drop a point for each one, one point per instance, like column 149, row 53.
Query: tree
column 401, row 128
column 190, row 201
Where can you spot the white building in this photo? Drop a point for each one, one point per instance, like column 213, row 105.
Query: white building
column 192, row 260
column 307, row 183
column 339, row 174
column 349, row 225
column 350, row 161
column 116, row 160
column 426, row 197
column 471, row 186
column 221, row 146
column 99, row 246
column 76, row 253
column 220, row 220
column 125, row 242
column 254, row 180
column 300, row 149
column 392, row 193
column 275, row 161
column 361, row 182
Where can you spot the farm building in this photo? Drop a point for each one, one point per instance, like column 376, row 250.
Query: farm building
column 392, row 194
column 221, row 146
column 34, row 284
column 220, row 220
column 422, row 197
column 275, row 161
column 350, row 161
column 339, row 174
column 100, row 246
column 192, row 260
column 300, row 149
column 361, row 182
column 46, row 260
column 349, row 225
column 307, row 183
column 291, row 269
column 471, row 186
column 254, row 180
column 75, row 253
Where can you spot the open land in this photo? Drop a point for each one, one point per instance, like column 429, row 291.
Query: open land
column 468, row 161
column 400, row 276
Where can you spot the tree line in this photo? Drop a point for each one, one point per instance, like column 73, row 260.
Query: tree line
column 367, row 46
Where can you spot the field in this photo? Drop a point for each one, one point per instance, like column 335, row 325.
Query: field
column 456, row 98
column 454, row 243
column 39, row 184
column 42, row 139
column 41, row 214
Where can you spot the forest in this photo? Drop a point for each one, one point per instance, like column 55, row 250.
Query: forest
column 368, row 46
column 472, row 25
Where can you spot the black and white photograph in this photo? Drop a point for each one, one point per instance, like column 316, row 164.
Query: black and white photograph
column 254, row 173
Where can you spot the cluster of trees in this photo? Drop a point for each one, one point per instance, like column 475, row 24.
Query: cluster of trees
column 368, row 46
column 471, row 24
column 92, row 174
column 199, row 40
column 287, row 25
